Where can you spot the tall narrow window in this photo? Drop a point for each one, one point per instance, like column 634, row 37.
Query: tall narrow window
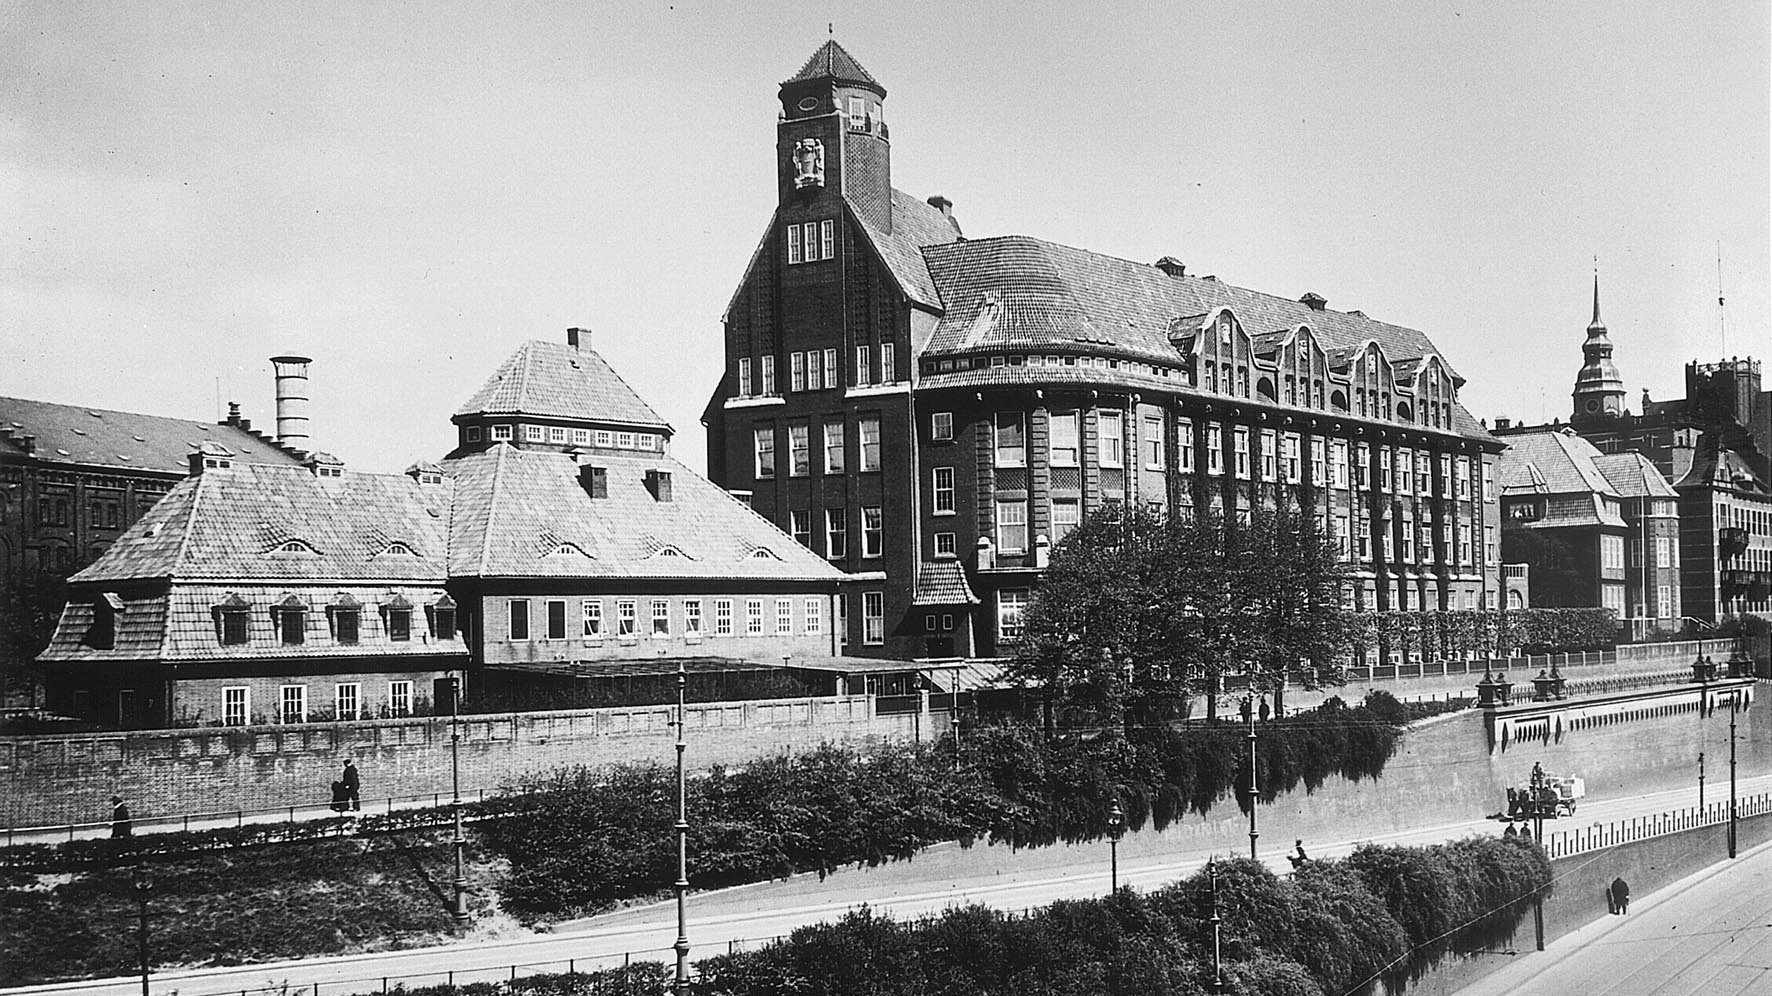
column 1153, row 442
column 836, row 534
column 1012, row 604
column 345, row 699
column 794, row 244
column 814, row 376
column 556, row 619
column 825, row 239
column 944, row 490
column 1270, row 442
column 765, row 450
column 813, row 612
column 796, row 371
column 941, row 425
column 1110, row 427
column 833, row 448
column 400, row 698
column 1214, row 448
column 784, row 617
column 1011, row 440
column 1318, row 461
column 722, row 617
column 347, row 623
column 627, row 618
column 1291, row 456
column 769, row 375
column 1064, row 435
column 236, row 705
column 294, row 702
column 1363, row 466
column 519, row 619
column 292, row 624
column 399, row 623
column 873, row 617
column 843, row 619
column 888, row 364
column 864, row 373
column 1240, row 441
column 872, row 531
column 1066, row 514
column 692, row 617
column 661, row 617
column 799, row 450
column 1012, row 525
column 753, row 617
column 593, row 618
column 800, row 525
column 830, row 369
column 870, row 442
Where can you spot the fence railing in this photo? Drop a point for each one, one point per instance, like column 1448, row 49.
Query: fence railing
column 1577, row 840
column 1476, row 666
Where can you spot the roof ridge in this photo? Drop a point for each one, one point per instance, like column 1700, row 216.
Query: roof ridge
column 501, row 451
column 184, row 539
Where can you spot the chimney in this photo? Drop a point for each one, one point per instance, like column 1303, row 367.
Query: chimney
column 1172, row 266
column 1502, row 422
column 292, row 400
column 659, row 483
column 1314, row 301
column 233, row 413
column 595, row 480
column 29, row 442
column 946, row 207
column 578, row 338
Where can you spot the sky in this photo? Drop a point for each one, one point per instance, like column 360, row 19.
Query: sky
column 407, row 191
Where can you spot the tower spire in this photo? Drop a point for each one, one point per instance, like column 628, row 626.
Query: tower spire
column 1596, row 323
column 1599, row 390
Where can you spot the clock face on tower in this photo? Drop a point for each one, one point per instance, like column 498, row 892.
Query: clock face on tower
column 808, row 157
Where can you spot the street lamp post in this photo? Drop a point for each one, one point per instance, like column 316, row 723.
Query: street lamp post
column 1254, row 792
column 1701, row 785
column 1116, row 827
column 144, row 887
column 1733, row 701
column 459, row 909
column 1217, row 921
column 680, row 986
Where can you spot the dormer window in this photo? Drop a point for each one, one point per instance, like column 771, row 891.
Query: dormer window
column 858, row 114
column 103, row 633
column 347, row 620
column 473, row 434
column 398, row 550
column 501, row 433
column 231, row 621
column 290, row 617
column 396, row 614
column 297, row 547
column 442, row 618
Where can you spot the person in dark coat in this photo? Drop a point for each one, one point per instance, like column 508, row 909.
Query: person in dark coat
column 1621, row 896
column 119, row 818
column 352, row 785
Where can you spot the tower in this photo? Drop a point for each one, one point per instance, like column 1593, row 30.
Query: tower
column 831, row 142
column 1599, row 390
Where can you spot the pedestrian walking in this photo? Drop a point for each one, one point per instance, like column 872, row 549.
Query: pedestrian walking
column 353, row 786
column 1621, row 896
column 120, row 826
column 1264, row 711
column 1299, row 858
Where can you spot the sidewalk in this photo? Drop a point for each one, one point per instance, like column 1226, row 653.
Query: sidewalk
column 1710, row 933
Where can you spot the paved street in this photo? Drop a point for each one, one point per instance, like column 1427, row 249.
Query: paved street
column 1710, row 933
column 939, row 878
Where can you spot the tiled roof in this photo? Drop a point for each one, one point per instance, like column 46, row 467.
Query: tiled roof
column 125, row 440
column 833, row 63
column 915, row 224
column 1564, row 461
column 523, row 513
column 230, row 522
column 1056, row 296
column 181, row 626
column 1716, row 465
column 556, row 380
column 943, row 583
column 1124, row 376
column 1632, row 475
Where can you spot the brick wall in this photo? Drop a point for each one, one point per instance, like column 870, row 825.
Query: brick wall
column 71, row 777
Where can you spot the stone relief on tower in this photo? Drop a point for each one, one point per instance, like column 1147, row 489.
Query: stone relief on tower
column 808, row 163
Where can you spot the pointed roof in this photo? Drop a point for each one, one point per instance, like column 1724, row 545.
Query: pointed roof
column 1596, row 323
column 557, row 380
column 831, row 62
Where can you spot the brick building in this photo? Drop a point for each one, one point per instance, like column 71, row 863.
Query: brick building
column 1715, row 446
column 932, row 413
column 559, row 532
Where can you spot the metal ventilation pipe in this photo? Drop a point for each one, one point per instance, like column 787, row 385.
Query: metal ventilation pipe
column 292, row 400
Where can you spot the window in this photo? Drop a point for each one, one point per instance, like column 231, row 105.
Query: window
column 1664, row 600
column 888, row 365
column 941, row 425
column 836, row 533
column 347, row 623
column 858, row 114
column 661, row 617
column 233, row 626
column 814, row 377
column 873, row 617
column 796, row 371
column 864, row 369
column 399, row 623
column 1291, row 445
column 344, row 700
column 1387, row 470
column 1012, row 605
column 722, row 617
column 1011, row 440
column 556, row 434
column 1111, row 430
column 799, row 450
column 1464, row 479
column 826, row 235
column 944, row 490
column 1363, row 466
column 293, row 702
column 534, row 433
column 581, row 437
column 768, row 379
column 1342, row 535
column 519, row 619
column 1424, row 473
column 291, row 624
column 1317, row 460
column 556, row 620
column 1066, row 513
column 1338, row 463
column 400, row 698
column 794, row 254
column 1214, row 448
column 1408, row 542
column 501, row 432
column 692, row 617
column 833, row 448
column 605, row 439
column 944, row 545
column 1405, row 477
column 1270, row 443
column 872, row 528
column 1012, row 525
column 800, row 525
column 627, row 622
column 830, row 368
column 813, row 610
column 753, row 617
column 1063, row 436
column 593, row 618
column 1152, row 442
column 784, row 617
column 1488, row 544
column 625, row 440
column 765, row 443
column 473, row 435
column 843, row 619
column 236, row 705
column 870, row 442
column 1240, row 443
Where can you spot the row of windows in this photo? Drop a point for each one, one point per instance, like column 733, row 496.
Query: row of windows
column 816, row 370
column 834, row 448
column 836, row 530
column 661, row 621
column 811, row 242
column 292, row 702
column 559, row 435
column 290, row 623
column 105, row 514
column 1036, row 360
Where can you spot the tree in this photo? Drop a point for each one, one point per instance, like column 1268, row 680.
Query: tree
column 1138, row 612
column 30, row 606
